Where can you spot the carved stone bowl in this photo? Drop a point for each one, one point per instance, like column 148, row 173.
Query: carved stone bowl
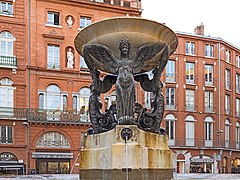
column 139, row 31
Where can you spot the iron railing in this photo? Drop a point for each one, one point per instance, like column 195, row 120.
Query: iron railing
column 9, row 61
column 44, row 115
column 124, row 3
column 196, row 143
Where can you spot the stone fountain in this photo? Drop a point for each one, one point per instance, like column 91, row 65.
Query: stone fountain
column 126, row 141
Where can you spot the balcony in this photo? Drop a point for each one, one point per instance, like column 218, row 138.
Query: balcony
column 123, row 3
column 170, row 77
column 202, row 143
column 40, row 115
column 8, row 61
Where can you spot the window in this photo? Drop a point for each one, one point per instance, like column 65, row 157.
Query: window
column 227, row 79
column 85, row 21
column 208, row 50
column 190, row 131
column 208, row 101
column 227, row 104
column 237, row 60
column 84, row 103
column 227, row 127
column 82, row 63
column 75, row 103
column 228, row 56
column 208, row 131
column 170, row 98
column 53, row 140
column 237, row 135
column 147, row 100
column 237, row 107
column 170, row 71
column 209, row 75
column 53, row 57
column 190, row 105
column 238, row 83
column 6, row 134
column 190, row 48
column 170, row 128
column 53, row 101
column 117, row 2
column 189, row 73
column 6, row 95
column 53, row 18
column 6, row 8
column 6, row 44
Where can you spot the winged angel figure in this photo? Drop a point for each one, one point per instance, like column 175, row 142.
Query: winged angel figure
column 97, row 55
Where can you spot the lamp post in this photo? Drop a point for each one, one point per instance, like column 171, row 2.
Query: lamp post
column 28, row 146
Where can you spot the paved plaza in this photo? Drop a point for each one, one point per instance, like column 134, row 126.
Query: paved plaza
column 76, row 177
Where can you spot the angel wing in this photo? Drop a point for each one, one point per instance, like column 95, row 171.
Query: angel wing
column 100, row 57
column 145, row 53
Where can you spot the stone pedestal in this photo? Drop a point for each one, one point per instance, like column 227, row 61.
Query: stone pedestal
column 108, row 156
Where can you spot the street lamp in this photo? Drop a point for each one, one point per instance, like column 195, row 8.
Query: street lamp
column 28, row 146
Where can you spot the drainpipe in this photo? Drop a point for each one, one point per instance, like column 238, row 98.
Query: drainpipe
column 219, row 95
column 29, row 57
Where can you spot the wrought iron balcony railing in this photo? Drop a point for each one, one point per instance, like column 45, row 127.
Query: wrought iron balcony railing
column 190, row 107
column 209, row 109
column 195, row 143
column 170, row 106
column 43, row 115
column 124, row 3
column 8, row 61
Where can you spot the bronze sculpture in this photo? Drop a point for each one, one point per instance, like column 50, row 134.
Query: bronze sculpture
column 125, row 68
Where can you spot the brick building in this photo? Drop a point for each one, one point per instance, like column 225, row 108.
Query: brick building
column 44, row 83
column 44, row 90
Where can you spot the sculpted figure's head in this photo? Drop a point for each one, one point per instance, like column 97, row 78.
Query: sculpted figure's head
column 124, row 47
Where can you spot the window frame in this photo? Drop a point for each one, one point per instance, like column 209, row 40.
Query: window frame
column 190, row 100
column 87, row 21
column 7, row 139
column 208, row 74
column 170, row 71
column 6, row 11
column 51, row 22
column 209, row 50
column 208, row 101
column 51, row 59
column 190, row 48
column 190, row 78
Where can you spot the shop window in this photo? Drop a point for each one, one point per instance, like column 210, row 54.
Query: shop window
column 53, row 140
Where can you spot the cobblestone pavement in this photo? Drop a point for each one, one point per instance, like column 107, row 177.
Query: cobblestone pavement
column 76, row 177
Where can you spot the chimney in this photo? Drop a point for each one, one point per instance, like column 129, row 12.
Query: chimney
column 199, row 30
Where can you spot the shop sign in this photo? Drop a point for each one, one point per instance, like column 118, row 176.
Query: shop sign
column 6, row 156
column 43, row 155
column 202, row 159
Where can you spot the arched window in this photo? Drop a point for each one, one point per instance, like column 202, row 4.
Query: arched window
column 84, row 103
column 53, row 97
column 6, row 44
column 208, row 124
column 237, row 135
column 190, row 130
column 53, row 140
column 6, row 94
column 227, row 128
column 170, row 128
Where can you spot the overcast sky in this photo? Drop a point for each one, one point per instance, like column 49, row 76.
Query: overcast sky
column 221, row 18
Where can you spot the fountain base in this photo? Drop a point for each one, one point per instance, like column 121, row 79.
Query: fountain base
column 109, row 156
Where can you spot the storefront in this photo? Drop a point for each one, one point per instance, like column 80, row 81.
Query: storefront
column 201, row 164
column 10, row 165
column 52, row 163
